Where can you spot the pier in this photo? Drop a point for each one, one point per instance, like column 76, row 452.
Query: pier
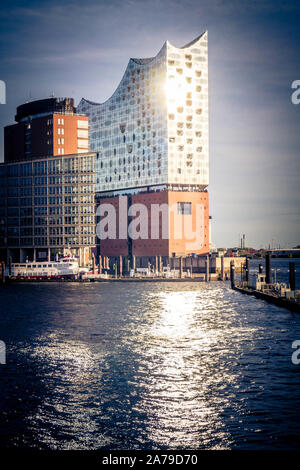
column 260, row 286
column 273, row 299
column 181, row 269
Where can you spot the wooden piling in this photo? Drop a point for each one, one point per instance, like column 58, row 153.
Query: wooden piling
column 2, row 273
column 232, row 275
column 268, row 269
column 292, row 281
column 247, row 269
column 120, row 265
column 222, row 268
column 207, row 268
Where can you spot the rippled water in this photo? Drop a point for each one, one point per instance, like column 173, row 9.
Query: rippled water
column 146, row 366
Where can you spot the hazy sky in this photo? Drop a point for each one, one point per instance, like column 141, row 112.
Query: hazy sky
column 81, row 48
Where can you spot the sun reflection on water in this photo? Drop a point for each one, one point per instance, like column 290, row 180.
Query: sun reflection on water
column 176, row 395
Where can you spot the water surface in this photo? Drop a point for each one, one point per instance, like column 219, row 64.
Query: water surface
column 146, row 366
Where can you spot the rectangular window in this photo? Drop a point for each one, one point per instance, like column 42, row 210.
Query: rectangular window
column 82, row 124
column 82, row 144
column 83, row 134
column 184, row 208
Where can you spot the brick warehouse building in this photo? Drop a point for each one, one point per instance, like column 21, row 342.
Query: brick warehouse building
column 151, row 139
column 151, row 240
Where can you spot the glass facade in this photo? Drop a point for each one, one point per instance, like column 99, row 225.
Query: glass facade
column 154, row 128
column 48, row 203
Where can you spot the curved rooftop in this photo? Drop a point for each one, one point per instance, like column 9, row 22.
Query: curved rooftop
column 47, row 105
column 146, row 61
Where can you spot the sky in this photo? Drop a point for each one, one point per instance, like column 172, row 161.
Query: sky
column 81, row 49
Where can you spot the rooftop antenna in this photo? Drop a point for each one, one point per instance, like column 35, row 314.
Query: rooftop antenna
column 29, row 97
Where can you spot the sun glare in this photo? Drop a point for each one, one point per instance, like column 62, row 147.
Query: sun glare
column 176, row 89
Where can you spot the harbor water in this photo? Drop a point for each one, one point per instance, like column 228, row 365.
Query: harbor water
column 146, row 366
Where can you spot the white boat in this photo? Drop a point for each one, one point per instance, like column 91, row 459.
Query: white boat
column 65, row 267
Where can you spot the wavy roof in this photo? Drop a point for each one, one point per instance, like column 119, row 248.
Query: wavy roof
column 192, row 42
column 143, row 61
column 146, row 61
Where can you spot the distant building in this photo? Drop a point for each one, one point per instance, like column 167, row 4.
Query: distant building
column 46, row 127
column 285, row 252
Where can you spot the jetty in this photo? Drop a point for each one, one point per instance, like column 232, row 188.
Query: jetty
column 260, row 286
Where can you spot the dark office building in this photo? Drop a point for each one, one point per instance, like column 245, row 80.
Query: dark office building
column 47, row 206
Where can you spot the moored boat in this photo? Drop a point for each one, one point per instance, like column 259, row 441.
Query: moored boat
column 66, row 267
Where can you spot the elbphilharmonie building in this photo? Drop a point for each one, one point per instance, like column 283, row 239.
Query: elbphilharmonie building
column 151, row 139
column 154, row 129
